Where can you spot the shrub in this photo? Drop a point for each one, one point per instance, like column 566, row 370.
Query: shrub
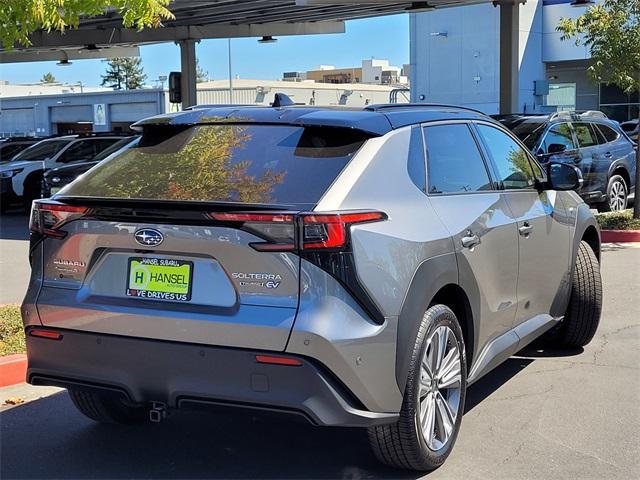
column 618, row 220
column 11, row 331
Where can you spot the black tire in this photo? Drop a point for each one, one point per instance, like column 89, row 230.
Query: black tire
column 585, row 304
column 107, row 408
column 617, row 195
column 402, row 444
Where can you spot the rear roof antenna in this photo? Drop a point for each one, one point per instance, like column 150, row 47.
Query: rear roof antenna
column 282, row 100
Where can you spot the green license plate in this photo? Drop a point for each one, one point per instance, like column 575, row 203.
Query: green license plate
column 159, row 279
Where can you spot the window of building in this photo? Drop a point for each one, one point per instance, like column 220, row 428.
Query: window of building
column 454, row 162
column 514, row 168
column 562, row 96
column 617, row 104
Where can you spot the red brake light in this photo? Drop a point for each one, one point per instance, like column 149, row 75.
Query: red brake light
column 318, row 230
column 47, row 218
column 323, row 231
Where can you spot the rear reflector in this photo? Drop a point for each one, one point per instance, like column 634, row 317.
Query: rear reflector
column 292, row 362
column 50, row 334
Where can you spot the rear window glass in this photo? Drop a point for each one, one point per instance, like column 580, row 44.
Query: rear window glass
column 272, row 164
column 42, row 150
column 528, row 132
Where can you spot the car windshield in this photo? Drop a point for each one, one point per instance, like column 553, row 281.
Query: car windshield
column 266, row 164
column 113, row 148
column 528, row 132
column 42, row 150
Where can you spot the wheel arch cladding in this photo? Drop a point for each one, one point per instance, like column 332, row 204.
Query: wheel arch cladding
column 621, row 170
column 592, row 237
column 430, row 277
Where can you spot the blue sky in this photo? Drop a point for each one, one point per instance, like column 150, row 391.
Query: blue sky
column 383, row 37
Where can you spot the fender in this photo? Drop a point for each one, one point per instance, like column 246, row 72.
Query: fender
column 430, row 276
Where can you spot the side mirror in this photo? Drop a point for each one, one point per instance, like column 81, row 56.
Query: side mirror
column 557, row 148
column 564, row 177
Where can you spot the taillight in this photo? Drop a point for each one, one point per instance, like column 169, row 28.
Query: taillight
column 330, row 231
column 277, row 229
column 317, row 231
column 47, row 218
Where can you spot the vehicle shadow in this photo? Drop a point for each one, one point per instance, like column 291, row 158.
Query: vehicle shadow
column 14, row 225
column 49, row 438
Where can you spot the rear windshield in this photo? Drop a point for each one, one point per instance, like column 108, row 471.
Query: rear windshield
column 42, row 150
column 266, row 164
column 528, row 132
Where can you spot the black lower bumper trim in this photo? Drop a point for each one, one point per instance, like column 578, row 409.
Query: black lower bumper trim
column 179, row 374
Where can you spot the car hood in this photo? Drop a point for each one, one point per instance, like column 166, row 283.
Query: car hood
column 30, row 164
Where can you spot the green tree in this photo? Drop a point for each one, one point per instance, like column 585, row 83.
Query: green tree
column 20, row 18
column 201, row 74
column 611, row 31
column 48, row 78
column 124, row 72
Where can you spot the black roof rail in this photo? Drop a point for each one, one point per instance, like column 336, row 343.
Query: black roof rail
column 389, row 106
column 221, row 105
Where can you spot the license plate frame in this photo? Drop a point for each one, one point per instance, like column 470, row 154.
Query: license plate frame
column 162, row 267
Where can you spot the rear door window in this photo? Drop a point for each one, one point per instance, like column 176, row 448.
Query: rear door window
column 585, row 135
column 609, row 134
column 558, row 139
column 266, row 164
column 454, row 162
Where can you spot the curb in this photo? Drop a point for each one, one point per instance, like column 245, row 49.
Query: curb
column 620, row 236
column 13, row 369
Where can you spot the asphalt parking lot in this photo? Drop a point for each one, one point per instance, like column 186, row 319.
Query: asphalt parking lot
column 543, row 414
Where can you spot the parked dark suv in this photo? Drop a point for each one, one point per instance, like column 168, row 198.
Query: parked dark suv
column 590, row 141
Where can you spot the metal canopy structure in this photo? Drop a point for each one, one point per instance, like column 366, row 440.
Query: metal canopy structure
column 195, row 20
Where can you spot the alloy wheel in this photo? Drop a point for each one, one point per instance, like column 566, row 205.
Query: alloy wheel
column 617, row 196
column 440, row 387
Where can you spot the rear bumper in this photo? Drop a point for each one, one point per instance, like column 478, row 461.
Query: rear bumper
column 178, row 374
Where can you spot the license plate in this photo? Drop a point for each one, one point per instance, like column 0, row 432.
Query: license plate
column 159, row 279
column 55, row 190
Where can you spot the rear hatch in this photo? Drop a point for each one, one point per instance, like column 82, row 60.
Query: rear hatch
column 190, row 236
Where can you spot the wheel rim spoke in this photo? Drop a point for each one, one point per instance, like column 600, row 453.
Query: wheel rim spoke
column 439, row 387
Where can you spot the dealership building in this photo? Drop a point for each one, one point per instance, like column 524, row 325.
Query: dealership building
column 455, row 55
column 44, row 110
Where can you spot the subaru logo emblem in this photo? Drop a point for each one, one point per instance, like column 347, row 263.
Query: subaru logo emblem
column 148, row 237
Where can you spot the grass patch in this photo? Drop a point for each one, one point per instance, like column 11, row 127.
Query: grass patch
column 11, row 331
column 618, row 220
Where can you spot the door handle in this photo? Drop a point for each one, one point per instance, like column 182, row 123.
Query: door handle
column 470, row 240
column 525, row 229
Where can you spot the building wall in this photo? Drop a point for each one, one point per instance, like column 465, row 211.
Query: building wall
column 37, row 115
column 554, row 49
column 455, row 56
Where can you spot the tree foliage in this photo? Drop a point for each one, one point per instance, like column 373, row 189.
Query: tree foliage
column 201, row 74
column 20, row 18
column 611, row 31
column 124, row 72
column 48, row 78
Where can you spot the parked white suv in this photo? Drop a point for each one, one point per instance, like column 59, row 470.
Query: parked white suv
column 22, row 177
